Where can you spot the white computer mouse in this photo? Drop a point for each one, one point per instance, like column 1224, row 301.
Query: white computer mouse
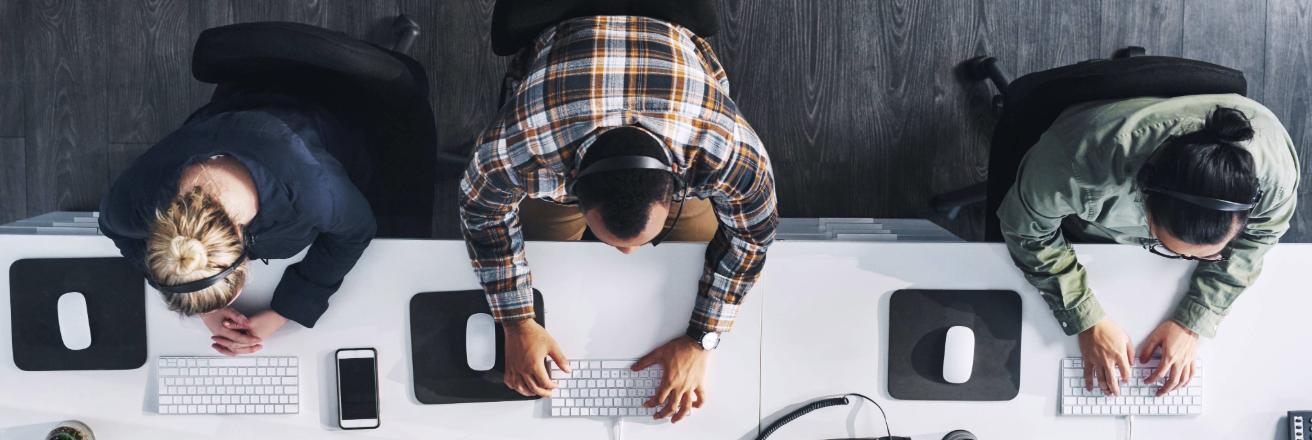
column 481, row 342
column 74, row 325
column 958, row 354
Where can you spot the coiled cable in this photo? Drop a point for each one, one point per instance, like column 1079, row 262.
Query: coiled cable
column 824, row 403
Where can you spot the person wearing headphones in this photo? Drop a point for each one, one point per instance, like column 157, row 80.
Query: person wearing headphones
column 260, row 174
column 612, row 119
column 1206, row 178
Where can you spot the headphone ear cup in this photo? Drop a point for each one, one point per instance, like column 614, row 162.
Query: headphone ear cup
column 959, row 434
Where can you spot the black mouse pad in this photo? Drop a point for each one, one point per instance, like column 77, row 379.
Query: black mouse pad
column 918, row 322
column 437, row 346
column 116, row 311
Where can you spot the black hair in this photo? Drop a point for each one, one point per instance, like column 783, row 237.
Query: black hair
column 1206, row 163
column 624, row 196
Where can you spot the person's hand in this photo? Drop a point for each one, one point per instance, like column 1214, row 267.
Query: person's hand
column 265, row 323
column 527, row 348
column 1179, row 355
column 684, row 364
column 1106, row 348
column 231, row 332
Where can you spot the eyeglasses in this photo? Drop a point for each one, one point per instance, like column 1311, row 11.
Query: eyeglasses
column 1163, row 251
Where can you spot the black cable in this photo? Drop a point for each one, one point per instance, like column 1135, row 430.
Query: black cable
column 881, row 412
column 833, row 401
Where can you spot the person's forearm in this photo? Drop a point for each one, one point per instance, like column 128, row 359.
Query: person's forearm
column 1215, row 286
column 732, row 268
column 498, row 259
column 1050, row 265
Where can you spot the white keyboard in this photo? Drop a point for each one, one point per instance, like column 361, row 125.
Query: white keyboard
column 229, row 385
column 1137, row 397
column 595, row 388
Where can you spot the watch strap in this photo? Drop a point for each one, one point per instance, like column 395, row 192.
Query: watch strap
column 697, row 335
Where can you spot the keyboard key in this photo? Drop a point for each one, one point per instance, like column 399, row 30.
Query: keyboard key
column 617, row 364
column 233, row 362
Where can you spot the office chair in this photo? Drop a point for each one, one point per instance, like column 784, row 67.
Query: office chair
column 1028, row 106
column 383, row 91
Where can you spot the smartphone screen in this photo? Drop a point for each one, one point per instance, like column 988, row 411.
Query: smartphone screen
column 357, row 391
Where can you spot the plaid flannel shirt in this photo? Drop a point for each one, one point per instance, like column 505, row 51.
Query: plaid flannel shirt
column 577, row 80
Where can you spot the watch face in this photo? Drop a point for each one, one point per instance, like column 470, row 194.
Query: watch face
column 710, row 341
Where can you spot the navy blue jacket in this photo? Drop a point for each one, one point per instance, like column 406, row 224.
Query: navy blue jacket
column 295, row 152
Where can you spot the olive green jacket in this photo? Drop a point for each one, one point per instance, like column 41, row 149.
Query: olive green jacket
column 1081, row 173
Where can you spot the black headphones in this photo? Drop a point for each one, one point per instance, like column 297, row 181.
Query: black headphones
column 1205, row 202
column 843, row 400
column 631, row 163
column 205, row 283
column 1208, row 202
column 626, row 163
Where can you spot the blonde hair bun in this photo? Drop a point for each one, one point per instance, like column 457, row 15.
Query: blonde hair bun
column 194, row 238
column 187, row 255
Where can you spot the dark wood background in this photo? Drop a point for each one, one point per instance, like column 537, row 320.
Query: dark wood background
column 860, row 102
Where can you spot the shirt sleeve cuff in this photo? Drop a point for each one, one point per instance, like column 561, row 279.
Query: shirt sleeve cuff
column 713, row 315
column 1081, row 317
column 1198, row 318
column 299, row 300
column 512, row 306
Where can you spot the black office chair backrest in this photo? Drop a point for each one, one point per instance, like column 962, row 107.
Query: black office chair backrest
column 516, row 23
column 253, row 52
column 383, row 91
column 1040, row 93
column 1034, row 101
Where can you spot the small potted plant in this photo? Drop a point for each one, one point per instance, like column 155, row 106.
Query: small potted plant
column 71, row 430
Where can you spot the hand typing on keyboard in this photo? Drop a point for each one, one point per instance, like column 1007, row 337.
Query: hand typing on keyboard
column 1139, row 395
column 527, row 345
column 684, row 364
column 681, row 366
column 1179, row 355
column 1108, row 354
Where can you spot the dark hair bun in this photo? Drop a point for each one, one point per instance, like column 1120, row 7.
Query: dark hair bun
column 1228, row 125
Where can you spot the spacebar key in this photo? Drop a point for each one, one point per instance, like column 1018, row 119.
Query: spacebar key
column 610, row 365
column 232, row 362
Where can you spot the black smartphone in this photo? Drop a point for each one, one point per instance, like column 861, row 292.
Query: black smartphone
column 357, row 388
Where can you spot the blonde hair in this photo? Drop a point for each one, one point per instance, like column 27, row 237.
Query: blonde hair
column 195, row 238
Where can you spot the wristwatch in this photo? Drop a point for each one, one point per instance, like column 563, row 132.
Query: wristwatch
column 707, row 340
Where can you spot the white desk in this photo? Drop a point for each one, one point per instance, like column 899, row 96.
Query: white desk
column 598, row 305
column 827, row 310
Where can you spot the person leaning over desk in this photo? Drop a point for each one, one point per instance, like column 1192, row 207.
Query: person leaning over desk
column 1211, row 178
column 259, row 174
column 661, row 96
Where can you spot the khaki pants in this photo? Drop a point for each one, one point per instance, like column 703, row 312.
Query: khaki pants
column 543, row 220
